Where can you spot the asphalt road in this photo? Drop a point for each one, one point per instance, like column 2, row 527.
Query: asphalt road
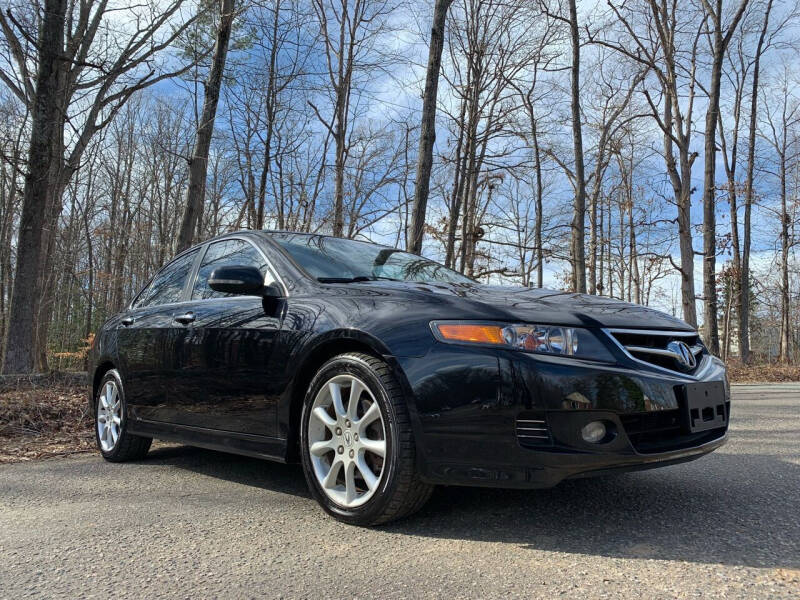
column 189, row 523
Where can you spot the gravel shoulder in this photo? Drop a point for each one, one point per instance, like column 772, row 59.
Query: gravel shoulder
column 198, row 524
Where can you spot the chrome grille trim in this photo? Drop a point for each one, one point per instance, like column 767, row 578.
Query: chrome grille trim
column 697, row 349
column 663, row 332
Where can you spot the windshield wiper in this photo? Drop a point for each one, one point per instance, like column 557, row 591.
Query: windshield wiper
column 356, row 279
column 342, row 279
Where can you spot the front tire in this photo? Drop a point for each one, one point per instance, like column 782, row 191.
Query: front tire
column 357, row 446
column 111, row 423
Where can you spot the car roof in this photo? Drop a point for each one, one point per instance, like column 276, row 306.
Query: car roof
column 269, row 232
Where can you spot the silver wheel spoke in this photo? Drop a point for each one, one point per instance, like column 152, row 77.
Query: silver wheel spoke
column 366, row 473
column 373, row 412
column 350, row 483
column 375, row 446
column 330, row 479
column 323, row 417
column 322, row 448
column 352, row 405
column 336, row 397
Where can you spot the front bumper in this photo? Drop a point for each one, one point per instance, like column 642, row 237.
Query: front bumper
column 468, row 406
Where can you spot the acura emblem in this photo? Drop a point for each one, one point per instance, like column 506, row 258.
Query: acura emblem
column 683, row 354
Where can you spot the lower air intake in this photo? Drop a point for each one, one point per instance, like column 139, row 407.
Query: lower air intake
column 532, row 430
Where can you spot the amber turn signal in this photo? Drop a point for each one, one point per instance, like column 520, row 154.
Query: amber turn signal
column 465, row 332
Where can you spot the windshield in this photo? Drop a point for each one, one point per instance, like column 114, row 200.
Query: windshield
column 332, row 259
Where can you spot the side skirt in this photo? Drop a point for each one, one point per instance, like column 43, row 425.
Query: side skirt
column 256, row 446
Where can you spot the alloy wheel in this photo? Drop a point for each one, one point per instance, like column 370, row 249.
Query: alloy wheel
column 347, row 441
column 109, row 416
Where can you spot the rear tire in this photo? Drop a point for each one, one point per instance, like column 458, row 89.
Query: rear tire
column 111, row 423
column 360, row 459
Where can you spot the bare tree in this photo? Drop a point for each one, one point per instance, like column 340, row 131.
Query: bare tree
column 198, row 161
column 664, row 38
column 350, row 30
column 313, row 132
column 42, row 156
column 535, row 95
column 106, row 74
column 489, row 46
column 782, row 117
column 721, row 37
column 744, row 282
column 427, row 135
column 615, row 94
column 578, row 236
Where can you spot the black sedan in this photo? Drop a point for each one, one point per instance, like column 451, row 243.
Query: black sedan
column 384, row 374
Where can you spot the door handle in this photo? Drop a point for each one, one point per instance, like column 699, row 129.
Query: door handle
column 127, row 321
column 185, row 318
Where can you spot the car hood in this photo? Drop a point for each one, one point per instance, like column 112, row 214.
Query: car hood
column 507, row 303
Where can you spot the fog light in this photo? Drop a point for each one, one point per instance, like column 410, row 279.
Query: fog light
column 593, row 432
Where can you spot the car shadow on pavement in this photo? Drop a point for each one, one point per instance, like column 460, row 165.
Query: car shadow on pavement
column 254, row 472
column 734, row 509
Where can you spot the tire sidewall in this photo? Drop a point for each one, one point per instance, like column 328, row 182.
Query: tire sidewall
column 111, row 375
column 374, row 507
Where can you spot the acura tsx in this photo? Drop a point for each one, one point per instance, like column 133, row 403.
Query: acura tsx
column 384, row 374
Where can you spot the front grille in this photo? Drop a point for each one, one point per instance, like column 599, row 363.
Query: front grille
column 663, row 431
column 532, row 430
column 657, row 348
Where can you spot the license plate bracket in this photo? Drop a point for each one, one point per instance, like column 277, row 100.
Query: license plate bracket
column 705, row 406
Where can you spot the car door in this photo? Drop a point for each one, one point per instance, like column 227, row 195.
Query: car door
column 146, row 336
column 224, row 350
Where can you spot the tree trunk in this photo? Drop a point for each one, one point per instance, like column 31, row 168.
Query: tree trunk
column 428, row 130
column 271, row 95
column 538, row 223
column 43, row 154
column 198, row 164
column 681, row 178
column 709, row 201
column 726, row 330
column 744, row 283
column 732, row 282
column 578, row 226
column 785, row 340
column 458, row 182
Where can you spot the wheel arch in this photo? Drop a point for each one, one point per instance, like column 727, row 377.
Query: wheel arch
column 100, row 370
column 321, row 350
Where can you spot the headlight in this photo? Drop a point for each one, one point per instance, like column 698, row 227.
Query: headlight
column 543, row 339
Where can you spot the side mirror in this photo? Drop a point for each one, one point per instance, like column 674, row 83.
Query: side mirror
column 273, row 290
column 241, row 280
